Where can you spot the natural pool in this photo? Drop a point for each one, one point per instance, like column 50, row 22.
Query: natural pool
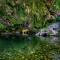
column 30, row 48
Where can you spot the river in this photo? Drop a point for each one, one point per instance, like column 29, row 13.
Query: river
column 32, row 47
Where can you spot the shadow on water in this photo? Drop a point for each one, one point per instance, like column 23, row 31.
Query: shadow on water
column 27, row 44
column 16, row 42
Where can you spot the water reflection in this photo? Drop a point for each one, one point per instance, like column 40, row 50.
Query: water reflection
column 27, row 45
column 51, row 39
column 6, row 43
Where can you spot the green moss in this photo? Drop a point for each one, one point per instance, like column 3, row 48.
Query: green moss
column 2, row 26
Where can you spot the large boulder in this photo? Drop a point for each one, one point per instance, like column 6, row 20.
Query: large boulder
column 50, row 30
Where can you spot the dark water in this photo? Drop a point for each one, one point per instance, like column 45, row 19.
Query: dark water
column 29, row 45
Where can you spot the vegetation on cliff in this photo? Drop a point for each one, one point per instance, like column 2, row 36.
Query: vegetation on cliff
column 37, row 13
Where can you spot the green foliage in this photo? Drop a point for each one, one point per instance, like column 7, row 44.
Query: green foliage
column 19, row 11
column 2, row 26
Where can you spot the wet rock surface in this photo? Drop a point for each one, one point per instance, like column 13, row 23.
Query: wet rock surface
column 52, row 29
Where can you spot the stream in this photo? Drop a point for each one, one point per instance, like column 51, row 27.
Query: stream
column 11, row 48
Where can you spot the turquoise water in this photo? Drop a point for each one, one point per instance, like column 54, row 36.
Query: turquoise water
column 11, row 48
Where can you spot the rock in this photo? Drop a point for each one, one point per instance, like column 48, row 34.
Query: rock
column 42, row 32
column 55, row 26
column 50, row 30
